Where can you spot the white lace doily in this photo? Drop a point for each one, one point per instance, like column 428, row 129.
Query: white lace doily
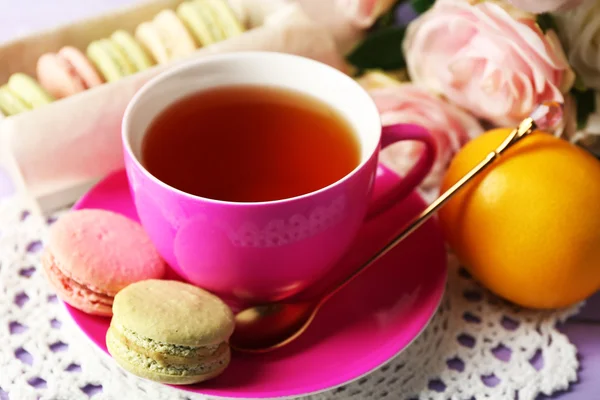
column 477, row 346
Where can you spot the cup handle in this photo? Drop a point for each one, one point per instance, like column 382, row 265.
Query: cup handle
column 388, row 190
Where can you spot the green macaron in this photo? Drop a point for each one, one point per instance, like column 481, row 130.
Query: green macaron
column 110, row 60
column 198, row 20
column 226, row 18
column 210, row 21
column 211, row 18
column 132, row 49
column 22, row 93
column 170, row 332
column 11, row 104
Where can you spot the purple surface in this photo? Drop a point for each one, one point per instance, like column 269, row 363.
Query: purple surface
column 6, row 186
column 24, row 16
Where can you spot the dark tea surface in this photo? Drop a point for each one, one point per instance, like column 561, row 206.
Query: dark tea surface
column 250, row 144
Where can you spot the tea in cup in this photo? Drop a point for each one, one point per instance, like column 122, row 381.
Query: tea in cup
column 253, row 172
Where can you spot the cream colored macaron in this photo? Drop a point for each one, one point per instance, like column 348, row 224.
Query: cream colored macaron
column 165, row 37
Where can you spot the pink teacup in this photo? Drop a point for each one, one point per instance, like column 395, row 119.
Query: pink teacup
column 263, row 251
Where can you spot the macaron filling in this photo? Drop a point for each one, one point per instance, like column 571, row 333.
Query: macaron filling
column 155, row 356
column 74, row 288
column 170, row 349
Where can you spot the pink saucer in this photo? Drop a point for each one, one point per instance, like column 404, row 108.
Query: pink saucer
column 362, row 327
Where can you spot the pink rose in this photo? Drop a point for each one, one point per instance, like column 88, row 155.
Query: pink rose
column 541, row 6
column 485, row 60
column 450, row 126
column 363, row 13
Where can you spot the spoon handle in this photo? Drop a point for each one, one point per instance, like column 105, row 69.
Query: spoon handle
column 526, row 127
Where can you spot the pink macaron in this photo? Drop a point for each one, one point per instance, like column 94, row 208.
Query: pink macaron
column 67, row 72
column 92, row 254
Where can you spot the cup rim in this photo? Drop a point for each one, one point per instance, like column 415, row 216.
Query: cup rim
column 370, row 107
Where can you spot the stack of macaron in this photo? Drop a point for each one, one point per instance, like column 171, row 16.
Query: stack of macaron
column 104, row 264
column 170, row 35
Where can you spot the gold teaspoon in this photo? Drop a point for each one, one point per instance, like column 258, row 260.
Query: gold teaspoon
column 264, row 328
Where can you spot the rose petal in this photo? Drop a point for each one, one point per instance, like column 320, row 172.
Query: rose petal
column 450, row 126
column 482, row 58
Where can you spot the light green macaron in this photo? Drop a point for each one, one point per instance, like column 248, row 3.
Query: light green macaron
column 170, row 332
column 197, row 21
column 132, row 50
column 29, row 90
column 210, row 18
column 10, row 104
column 110, row 60
column 210, row 21
column 22, row 93
column 227, row 20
